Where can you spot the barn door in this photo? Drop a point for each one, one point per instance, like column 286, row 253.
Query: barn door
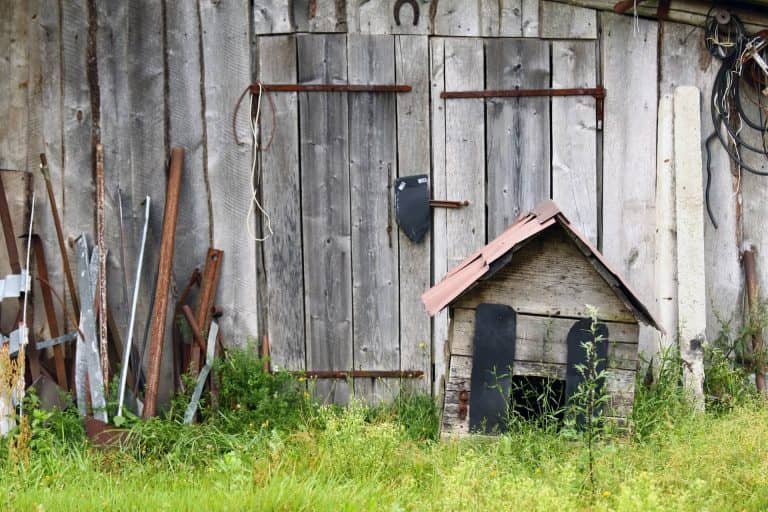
column 328, row 187
column 504, row 155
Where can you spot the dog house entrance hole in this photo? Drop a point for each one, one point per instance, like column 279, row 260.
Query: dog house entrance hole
column 537, row 399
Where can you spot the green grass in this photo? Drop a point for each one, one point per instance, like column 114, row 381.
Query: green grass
column 275, row 450
column 700, row 463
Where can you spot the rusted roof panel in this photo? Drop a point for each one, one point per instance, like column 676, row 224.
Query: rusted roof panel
column 544, row 215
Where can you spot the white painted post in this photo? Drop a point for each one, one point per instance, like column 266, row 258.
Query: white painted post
column 665, row 286
column 689, row 201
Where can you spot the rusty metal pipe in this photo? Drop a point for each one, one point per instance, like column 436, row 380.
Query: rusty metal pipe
column 157, row 332
column 372, row 374
column 210, row 282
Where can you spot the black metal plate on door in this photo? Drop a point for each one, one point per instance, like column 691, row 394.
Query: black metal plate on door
column 412, row 209
column 492, row 358
column 581, row 333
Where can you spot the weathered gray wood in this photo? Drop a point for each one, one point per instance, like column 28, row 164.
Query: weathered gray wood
column 13, row 149
column 226, row 53
column 412, row 68
column 78, row 187
column 17, row 186
column 561, row 21
column 518, row 154
column 458, row 173
column 187, row 129
column 377, row 17
column 629, row 65
column 689, row 214
column 325, row 202
column 685, row 61
column 574, row 136
column 272, row 16
column 372, row 170
column 6, row 14
column 280, row 179
column 511, row 14
column 550, row 277
column 543, row 339
column 319, row 15
column 619, row 386
column 473, row 18
column 530, row 19
column 439, row 184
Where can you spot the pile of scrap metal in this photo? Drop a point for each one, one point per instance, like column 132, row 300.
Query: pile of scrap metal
column 83, row 361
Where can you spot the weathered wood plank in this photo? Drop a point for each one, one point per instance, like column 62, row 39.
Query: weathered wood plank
column 561, row 21
column 187, row 129
column 77, row 178
column 518, row 154
column 439, row 184
column 473, row 18
column 459, row 173
column 574, row 136
column 630, row 66
column 412, row 68
column 226, row 53
column 543, row 339
column 689, row 213
column 272, row 16
column 372, row 170
column 378, row 17
column 325, row 202
column 511, row 14
column 685, row 61
column 530, row 18
column 280, row 179
column 319, row 15
column 549, row 276
column 13, row 143
column 619, row 385
column 6, row 14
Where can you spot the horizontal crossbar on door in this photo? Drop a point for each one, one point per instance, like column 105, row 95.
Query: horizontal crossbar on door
column 597, row 92
column 330, row 88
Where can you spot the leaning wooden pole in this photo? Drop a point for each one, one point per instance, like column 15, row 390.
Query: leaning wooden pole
column 102, row 281
column 753, row 302
column 157, row 331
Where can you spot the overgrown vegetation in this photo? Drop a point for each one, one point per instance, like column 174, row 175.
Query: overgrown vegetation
column 269, row 446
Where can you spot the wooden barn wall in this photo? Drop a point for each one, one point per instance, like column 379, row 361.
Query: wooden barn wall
column 338, row 285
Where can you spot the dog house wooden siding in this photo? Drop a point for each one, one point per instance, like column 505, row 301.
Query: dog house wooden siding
column 548, row 279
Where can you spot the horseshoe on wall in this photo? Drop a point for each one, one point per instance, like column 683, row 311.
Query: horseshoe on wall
column 399, row 5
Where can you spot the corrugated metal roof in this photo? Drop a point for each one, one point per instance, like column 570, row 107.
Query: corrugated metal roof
column 543, row 216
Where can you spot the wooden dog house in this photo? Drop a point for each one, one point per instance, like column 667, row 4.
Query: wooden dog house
column 520, row 302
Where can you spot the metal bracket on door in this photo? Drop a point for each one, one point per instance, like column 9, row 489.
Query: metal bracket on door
column 441, row 203
column 596, row 92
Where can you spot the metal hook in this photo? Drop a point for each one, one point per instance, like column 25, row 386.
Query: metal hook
column 399, row 5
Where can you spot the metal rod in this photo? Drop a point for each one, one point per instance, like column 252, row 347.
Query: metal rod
column 597, row 92
column 10, row 238
column 373, row 374
column 211, row 274
column 134, row 303
column 440, row 203
column 102, row 282
column 197, row 334
column 25, row 330
column 330, row 88
column 157, row 332
column 50, row 312
column 60, row 236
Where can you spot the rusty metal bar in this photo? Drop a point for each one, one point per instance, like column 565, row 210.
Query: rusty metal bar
column 60, row 236
column 208, row 287
column 624, row 5
column 753, row 301
column 197, row 334
column 101, row 285
column 157, row 333
column 10, row 238
column 596, row 92
column 50, row 311
column 441, row 203
column 329, row 88
column 373, row 374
